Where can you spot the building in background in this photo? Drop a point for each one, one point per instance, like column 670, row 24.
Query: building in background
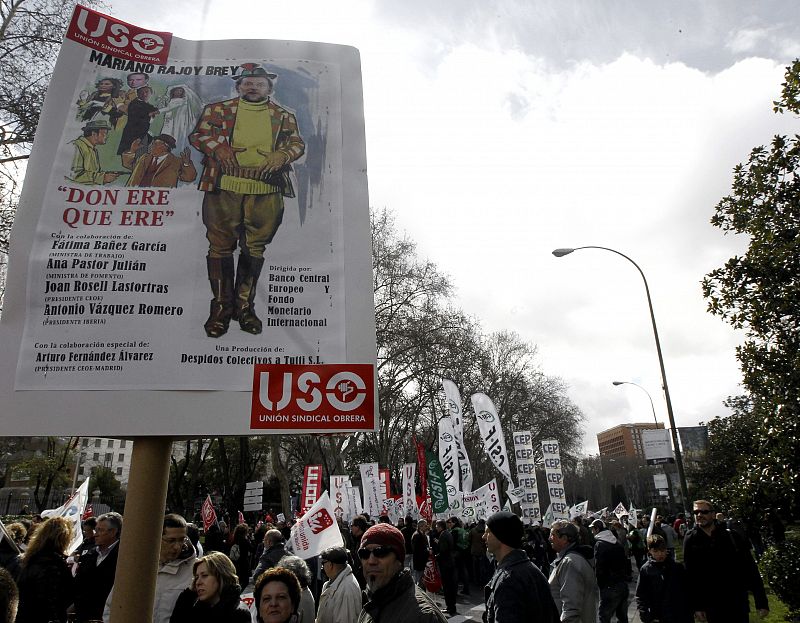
column 114, row 454
column 624, row 440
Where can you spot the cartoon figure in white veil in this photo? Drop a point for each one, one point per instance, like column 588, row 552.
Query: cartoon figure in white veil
column 181, row 107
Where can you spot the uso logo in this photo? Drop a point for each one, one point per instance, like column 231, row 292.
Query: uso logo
column 314, row 397
column 126, row 41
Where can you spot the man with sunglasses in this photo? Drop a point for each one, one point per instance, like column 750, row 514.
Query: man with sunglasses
column 721, row 571
column 392, row 596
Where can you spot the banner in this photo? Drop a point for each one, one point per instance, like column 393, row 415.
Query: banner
column 371, row 484
column 338, row 492
column 693, row 438
column 619, row 511
column 72, row 509
column 657, row 446
column 448, row 455
column 579, row 510
column 436, row 484
column 492, row 433
column 129, row 271
column 386, row 481
column 423, row 469
column 548, row 518
column 482, row 502
column 454, row 407
column 551, row 452
column 312, row 483
column 316, row 530
column 208, row 513
column 409, row 493
column 354, row 506
column 526, row 476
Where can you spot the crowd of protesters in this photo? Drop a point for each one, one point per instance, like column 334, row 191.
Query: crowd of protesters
column 573, row 572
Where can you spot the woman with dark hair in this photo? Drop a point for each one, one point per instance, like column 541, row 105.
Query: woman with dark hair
column 45, row 581
column 277, row 595
column 214, row 594
column 242, row 551
column 306, row 612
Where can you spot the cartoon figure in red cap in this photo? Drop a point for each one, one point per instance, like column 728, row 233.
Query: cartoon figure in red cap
column 248, row 144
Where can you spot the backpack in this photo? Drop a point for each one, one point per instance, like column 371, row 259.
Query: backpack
column 462, row 539
column 235, row 553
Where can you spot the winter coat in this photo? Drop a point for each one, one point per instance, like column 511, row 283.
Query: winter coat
column 229, row 609
column 661, row 593
column 45, row 588
column 419, row 551
column 518, row 592
column 307, row 610
column 171, row 580
column 611, row 564
column 93, row 583
column 340, row 600
column 400, row 601
column 721, row 571
column 573, row 585
column 269, row 559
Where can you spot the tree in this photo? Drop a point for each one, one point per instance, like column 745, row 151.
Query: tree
column 103, row 478
column 49, row 467
column 759, row 292
column 31, row 32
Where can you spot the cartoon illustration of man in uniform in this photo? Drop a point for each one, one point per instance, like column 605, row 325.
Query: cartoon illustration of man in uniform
column 247, row 144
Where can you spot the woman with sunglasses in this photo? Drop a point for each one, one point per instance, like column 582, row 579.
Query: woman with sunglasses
column 277, row 595
column 214, row 594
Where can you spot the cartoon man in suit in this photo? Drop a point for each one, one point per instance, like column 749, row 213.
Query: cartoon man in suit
column 248, row 144
column 159, row 167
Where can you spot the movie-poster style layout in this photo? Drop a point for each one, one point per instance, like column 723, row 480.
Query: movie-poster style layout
column 191, row 227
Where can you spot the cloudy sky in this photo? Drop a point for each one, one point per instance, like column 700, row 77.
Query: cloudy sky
column 499, row 131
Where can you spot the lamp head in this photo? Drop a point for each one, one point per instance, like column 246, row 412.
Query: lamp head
column 618, row 382
column 562, row 252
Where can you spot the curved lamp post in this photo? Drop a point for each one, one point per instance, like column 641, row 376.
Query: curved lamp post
column 652, row 406
column 678, row 458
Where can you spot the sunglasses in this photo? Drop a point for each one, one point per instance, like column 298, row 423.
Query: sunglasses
column 701, row 512
column 380, row 552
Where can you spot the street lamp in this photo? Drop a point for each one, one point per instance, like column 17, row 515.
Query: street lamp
column 678, row 458
column 655, row 419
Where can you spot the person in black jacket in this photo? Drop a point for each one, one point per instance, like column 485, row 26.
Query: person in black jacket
column 97, row 569
column 662, row 591
column 45, row 582
column 214, row 594
column 611, row 568
column 518, row 590
column 721, row 571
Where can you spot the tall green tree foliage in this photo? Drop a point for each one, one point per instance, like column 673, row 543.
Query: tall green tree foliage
column 759, row 292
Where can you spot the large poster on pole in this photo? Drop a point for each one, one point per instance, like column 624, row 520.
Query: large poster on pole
column 190, row 214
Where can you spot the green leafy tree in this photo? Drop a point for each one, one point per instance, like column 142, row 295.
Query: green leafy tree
column 104, row 480
column 759, row 292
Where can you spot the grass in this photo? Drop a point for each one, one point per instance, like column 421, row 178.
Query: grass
column 778, row 611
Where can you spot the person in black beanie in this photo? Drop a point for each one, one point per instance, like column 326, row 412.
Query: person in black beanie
column 518, row 591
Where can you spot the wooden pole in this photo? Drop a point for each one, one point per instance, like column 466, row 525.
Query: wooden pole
column 140, row 545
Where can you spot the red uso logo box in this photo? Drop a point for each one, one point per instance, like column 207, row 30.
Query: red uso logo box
column 117, row 38
column 313, row 397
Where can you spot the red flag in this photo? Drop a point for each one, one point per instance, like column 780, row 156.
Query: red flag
column 425, row 509
column 87, row 512
column 312, row 485
column 430, row 577
column 240, row 519
column 208, row 513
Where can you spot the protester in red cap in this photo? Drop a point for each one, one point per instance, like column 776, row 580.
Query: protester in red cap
column 392, row 596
